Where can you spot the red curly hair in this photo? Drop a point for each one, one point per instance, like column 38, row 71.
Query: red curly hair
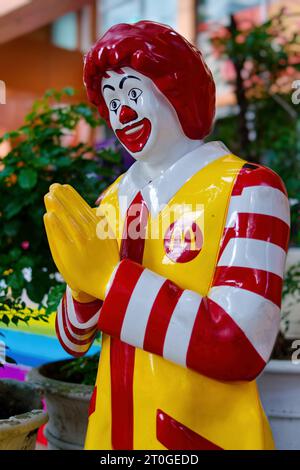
column 175, row 66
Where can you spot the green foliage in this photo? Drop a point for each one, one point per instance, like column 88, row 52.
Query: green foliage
column 291, row 294
column 81, row 370
column 290, row 291
column 266, row 61
column 41, row 155
column 291, row 281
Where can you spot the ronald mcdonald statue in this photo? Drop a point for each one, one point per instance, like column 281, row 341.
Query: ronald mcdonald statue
column 179, row 266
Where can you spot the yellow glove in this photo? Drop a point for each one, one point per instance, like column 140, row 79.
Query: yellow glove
column 85, row 261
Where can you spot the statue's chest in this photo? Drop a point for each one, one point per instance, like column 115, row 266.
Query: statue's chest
column 183, row 239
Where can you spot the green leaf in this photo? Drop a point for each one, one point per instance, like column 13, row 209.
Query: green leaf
column 7, row 171
column 16, row 282
column 15, row 320
column 63, row 162
column 14, row 207
column 15, row 253
column 38, row 287
column 12, row 228
column 10, row 135
column 30, row 117
column 69, row 91
column 4, row 319
column 27, row 178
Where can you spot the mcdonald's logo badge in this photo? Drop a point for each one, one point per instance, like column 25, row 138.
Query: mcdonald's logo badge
column 183, row 241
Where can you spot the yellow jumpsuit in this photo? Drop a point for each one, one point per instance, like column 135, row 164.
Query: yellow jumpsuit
column 185, row 334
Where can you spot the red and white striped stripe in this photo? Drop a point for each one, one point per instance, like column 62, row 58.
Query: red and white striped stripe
column 230, row 333
column 264, row 200
column 253, row 254
column 76, row 324
column 180, row 328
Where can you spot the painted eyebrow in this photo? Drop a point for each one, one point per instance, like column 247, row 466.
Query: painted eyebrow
column 108, row 86
column 125, row 78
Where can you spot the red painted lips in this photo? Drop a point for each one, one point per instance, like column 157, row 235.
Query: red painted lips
column 135, row 136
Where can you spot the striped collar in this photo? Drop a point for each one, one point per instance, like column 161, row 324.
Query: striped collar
column 159, row 191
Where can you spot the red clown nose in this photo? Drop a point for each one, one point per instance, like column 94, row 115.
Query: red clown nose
column 127, row 114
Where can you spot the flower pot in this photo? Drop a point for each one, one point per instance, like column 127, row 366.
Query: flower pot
column 291, row 303
column 279, row 387
column 21, row 415
column 67, row 405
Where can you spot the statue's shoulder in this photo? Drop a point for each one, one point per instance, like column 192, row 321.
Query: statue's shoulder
column 254, row 174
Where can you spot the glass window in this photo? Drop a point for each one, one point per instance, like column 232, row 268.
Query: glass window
column 114, row 12
column 129, row 11
column 162, row 11
column 64, row 31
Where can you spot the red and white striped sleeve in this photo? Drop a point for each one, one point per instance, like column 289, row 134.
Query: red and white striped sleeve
column 76, row 324
column 230, row 333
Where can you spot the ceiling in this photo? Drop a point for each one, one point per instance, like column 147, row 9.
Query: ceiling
column 19, row 17
column 6, row 7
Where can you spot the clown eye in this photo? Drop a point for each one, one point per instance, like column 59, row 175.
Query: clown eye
column 114, row 105
column 134, row 94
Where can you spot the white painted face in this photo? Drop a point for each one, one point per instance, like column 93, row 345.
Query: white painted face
column 142, row 118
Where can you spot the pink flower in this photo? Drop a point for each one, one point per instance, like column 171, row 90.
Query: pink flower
column 25, row 245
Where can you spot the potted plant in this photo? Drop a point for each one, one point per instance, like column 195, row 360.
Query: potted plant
column 279, row 384
column 21, row 408
column 67, row 387
column 21, row 415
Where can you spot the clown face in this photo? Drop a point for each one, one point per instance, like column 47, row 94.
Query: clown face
column 142, row 118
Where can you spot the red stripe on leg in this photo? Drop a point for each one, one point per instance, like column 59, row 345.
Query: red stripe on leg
column 122, row 358
column 93, row 400
column 219, row 348
column 122, row 355
column 160, row 316
column 175, row 436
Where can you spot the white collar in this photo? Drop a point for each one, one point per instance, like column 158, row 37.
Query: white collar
column 158, row 192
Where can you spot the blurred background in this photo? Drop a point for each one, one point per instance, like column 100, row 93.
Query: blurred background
column 42, row 42
column 49, row 133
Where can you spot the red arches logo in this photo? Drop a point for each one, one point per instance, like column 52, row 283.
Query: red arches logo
column 183, row 241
